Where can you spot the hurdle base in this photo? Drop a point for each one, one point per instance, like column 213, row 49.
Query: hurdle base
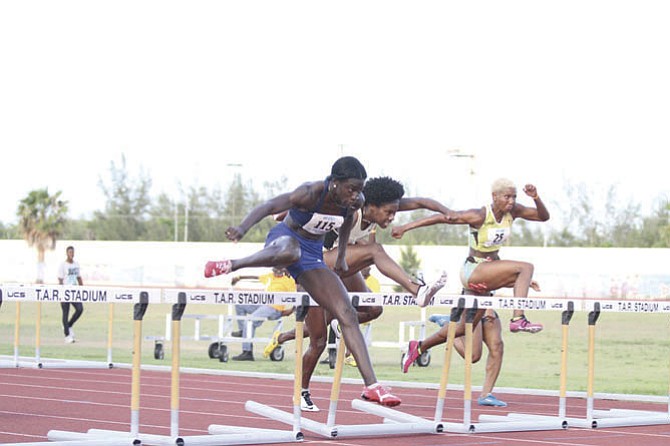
column 520, row 422
column 87, row 438
column 337, row 431
column 251, row 436
column 620, row 421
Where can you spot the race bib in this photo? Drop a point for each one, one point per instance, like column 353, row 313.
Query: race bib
column 496, row 237
column 320, row 224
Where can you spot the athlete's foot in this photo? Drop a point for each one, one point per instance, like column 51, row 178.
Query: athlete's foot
column 426, row 293
column 274, row 343
column 380, row 394
column 520, row 323
column 413, row 352
column 213, row 269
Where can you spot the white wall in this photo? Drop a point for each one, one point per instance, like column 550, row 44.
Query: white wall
column 562, row 272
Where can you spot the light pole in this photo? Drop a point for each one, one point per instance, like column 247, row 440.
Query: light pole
column 459, row 153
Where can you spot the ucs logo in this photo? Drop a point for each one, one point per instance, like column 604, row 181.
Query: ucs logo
column 16, row 294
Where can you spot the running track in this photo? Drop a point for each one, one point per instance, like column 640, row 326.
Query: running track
column 34, row 401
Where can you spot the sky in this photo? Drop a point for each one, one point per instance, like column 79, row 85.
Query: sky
column 443, row 96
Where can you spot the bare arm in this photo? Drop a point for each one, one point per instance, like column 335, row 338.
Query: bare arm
column 472, row 217
column 345, row 230
column 302, row 197
column 413, row 203
column 538, row 213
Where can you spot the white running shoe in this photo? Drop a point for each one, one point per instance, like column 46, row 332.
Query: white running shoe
column 335, row 325
column 426, row 292
column 306, row 402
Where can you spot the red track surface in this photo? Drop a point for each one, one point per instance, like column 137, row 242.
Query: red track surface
column 35, row 401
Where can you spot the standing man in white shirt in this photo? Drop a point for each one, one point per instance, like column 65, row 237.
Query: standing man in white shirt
column 69, row 274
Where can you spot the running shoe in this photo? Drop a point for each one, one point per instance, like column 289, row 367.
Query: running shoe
column 274, row 343
column 490, row 400
column 523, row 324
column 440, row 319
column 69, row 339
column 426, row 293
column 380, row 394
column 306, row 403
column 213, row 269
column 350, row 360
column 335, row 325
column 412, row 355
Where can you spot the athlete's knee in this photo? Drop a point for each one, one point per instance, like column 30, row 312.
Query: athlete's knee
column 496, row 347
column 287, row 250
column 319, row 344
column 476, row 356
column 376, row 248
column 348, row 316
column 525, row 267
column 374, row 313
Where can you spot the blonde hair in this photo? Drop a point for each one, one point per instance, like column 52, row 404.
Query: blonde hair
column 501, row 184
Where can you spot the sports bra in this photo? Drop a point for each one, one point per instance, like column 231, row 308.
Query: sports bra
column 314, row 222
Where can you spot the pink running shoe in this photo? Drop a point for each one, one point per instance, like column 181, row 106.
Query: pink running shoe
column 380, row 394
column 412, row 354
column 523, row 324
column 427, row 292
column 213, row 269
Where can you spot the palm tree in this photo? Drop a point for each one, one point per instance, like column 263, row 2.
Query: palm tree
column 42, row 217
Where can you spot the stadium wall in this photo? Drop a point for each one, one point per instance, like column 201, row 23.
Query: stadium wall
column 634, row 273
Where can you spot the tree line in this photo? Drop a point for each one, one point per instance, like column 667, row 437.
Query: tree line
column 131, row 214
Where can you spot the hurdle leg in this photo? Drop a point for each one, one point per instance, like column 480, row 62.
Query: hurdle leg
column 444, row 378
column 17, row 333
column 300, row 314
column 110, row 331
column 467, row 383
column 337, row 381
column 177, row 313
column 565, row 323
column 138, row 314
column 593, row 318
column 38, row 333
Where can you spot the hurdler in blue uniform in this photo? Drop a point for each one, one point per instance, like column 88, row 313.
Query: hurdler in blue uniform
column 314, row 209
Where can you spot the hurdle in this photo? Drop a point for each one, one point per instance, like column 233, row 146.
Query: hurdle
column 179, row 299
column 93, row 436
column 57, row 293
column 615, row 417
column 17, row 317
column 106, row 295
column 561, row 418
column 330, row 429
column 486, row 424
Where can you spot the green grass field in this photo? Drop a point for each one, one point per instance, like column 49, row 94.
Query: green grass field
column 632, row 351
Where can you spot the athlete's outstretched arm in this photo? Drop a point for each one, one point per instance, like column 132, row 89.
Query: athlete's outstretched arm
column 472, row 217
column 413, row 203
